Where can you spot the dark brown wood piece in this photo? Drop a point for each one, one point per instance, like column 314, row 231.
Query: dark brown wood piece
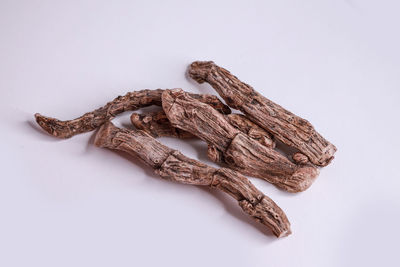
column 240, row 151
column 174, row 166
column 284, row 125
column 131, row 101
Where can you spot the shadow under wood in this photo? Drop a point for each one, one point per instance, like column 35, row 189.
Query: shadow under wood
column 285, row 150
column 233, row 208
column 230, row 205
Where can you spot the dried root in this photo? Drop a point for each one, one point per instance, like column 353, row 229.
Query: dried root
column 157, row 124
column 240, row 151
column 244, row 142
column 174, row 166
column 284, row 125
column 131, row 101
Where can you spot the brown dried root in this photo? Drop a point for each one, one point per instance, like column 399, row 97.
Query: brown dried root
column 157, row 125
column 240, row 151
column 131, row 101
column 284, row 125
column 174, row 166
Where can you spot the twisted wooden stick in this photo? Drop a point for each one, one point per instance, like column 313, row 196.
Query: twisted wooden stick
column 240, row 151
column 172, row 165
column 157, row 124
column 131, row 101
column 284, row 125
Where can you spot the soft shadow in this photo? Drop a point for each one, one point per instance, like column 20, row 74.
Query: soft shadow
column 90, row 143
column 146, row 110
column 285, row 150
column 229, row 204
column 128, row 126
column 201, row 148
column 236, row 211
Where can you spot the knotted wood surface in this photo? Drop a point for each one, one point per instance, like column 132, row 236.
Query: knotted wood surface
column 284, row 125
column 240, row 151
column 157, row 124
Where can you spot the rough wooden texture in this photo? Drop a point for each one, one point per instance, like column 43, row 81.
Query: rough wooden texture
column 240, row 151
column 172, row 165
column 131, row 101
column 243, row 124
column 157, row 124
column 284, row 125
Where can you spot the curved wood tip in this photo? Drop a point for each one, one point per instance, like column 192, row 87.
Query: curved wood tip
column 53, row 126
column 269, row 214
column 199, row 70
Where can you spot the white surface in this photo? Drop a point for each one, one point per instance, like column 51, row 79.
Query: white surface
column 68, row 203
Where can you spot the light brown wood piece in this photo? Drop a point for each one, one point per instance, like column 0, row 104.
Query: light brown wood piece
column 284, row 125
column 131, row 101
column 157, row 124
column 240, row 151
column 174, row 166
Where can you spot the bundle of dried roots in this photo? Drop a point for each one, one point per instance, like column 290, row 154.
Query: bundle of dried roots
column 245, row 143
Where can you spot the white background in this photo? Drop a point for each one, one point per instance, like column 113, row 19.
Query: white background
column 68, row 203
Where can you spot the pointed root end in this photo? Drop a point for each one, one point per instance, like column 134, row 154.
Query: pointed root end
column 50, row 125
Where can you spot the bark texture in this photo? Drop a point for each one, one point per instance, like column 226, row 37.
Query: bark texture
column 240, row 151
column 174, row 166
column 284, row 125
column 131, row 101
column 157, row 124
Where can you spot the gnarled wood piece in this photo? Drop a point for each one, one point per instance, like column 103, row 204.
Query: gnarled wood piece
column 174, row 166
column 243, row 124
column 131, row 101
column 284, row 125
column 157, row 124
column 240, row 151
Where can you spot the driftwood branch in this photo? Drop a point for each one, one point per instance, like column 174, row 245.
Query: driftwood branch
column 157, row 124
column 172, row 165
column 131, row 101
column 240, row 151
column 284, row 125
